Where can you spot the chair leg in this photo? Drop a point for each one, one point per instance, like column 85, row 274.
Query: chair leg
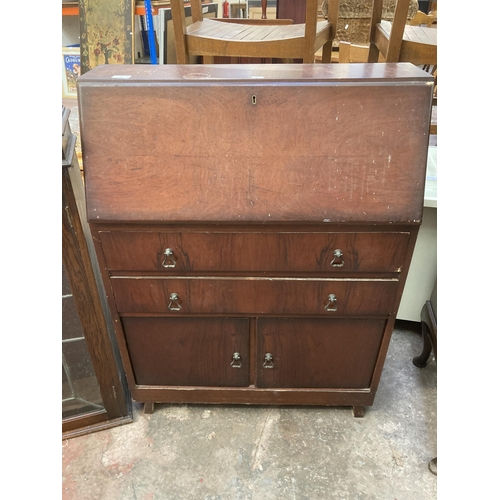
column 433, row 466
column 308, row 58
column 373, row 54
column 429, row 336
column 326, row 55
column 422, row 360
column 377, row 7
column 179, row 22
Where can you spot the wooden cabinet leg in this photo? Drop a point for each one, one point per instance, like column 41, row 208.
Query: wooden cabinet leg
column 358, row 411
column 149, row 408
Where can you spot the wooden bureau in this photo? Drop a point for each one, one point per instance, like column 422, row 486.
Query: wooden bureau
column 254, row 224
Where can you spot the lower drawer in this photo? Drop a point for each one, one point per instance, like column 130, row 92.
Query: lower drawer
column 276, row 296
column 188, row 351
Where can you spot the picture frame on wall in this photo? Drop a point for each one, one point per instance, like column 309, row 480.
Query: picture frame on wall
column 71, row 69
column 106, row 33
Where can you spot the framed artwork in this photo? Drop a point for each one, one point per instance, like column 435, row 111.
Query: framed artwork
column 106, row 32
column 71, row 68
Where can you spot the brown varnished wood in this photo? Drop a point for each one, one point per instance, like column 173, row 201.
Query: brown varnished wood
column 94, row 422
column 81, row 269
column 253, row 209
column 253, row 252
column 254, row 227
column 252, row 351
column 366, row 170
column 226, row 187
column 188, row 351
column 392, row 317
column 358, row 411
column 254, row 395
column 292, row 9
column 318, row 352
column 254, row 295
column 115, row 317
column 227, row 75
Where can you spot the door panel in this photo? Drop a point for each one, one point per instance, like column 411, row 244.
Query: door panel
column 188, row 351
column 317, row 353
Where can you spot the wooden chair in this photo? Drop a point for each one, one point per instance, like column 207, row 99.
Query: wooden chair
column 399, row 42
column 432, row 69
column 352, row 53
column 434, row 14
column 422, row 18
column 247, row 38
column 428, row 318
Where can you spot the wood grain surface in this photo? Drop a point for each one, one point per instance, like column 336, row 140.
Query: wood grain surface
column 321, row 151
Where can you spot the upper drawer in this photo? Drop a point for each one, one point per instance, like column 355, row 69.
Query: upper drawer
column 253, row 252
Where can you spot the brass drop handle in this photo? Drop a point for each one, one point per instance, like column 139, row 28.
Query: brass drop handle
column 169, row 259
column 331, row 305
column 236, row 362
column 174, row 304
column 338, row 258
column 268, row 360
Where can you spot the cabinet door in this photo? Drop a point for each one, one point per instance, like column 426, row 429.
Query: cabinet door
column 188, row 351
column 317, row 353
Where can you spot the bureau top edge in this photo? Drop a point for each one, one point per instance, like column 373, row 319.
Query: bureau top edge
column 255, row 74
column 284, row 225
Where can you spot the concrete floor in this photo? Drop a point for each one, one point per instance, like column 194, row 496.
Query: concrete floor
column 274, row 453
